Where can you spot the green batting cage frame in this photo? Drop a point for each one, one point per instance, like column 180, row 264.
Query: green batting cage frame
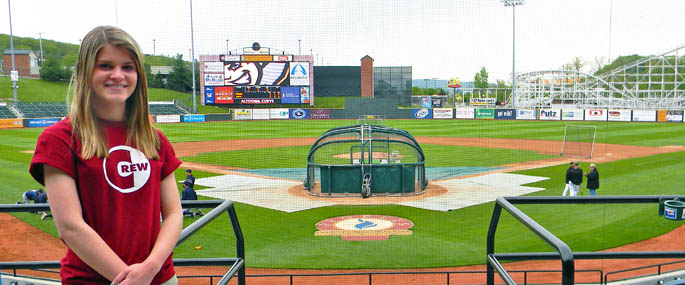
column 365, row 159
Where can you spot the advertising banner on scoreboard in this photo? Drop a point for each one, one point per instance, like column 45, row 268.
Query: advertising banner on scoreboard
column 304, row 95
column 209, row 95
column 421, row 113
column 270, row 73
column 299, row 114
column 260, row 114
column 279, row 114
column 550, row 114
column 443, row 113
column 619, row 115
column 505, row 114
column 213, row 67
column 214, row 79
column 242, row 114
column 464, row 113
column 523, row 114
column 299, row 73
column 223, row 95
column 485, row 113
column 257, row 95
column 644, row 116
column 596, row 114
column 283, row 58
column 290, row 95
column 572, row 114
column 320, row 114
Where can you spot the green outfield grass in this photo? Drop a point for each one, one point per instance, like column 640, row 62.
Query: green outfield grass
column 276, row 239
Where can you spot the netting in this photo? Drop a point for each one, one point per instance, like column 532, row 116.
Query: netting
column 579, row 141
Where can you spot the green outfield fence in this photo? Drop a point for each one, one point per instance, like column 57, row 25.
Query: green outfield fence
column 237, row 264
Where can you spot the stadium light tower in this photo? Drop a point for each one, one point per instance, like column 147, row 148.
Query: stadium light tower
column 513, row 4
column 13, row 73
column 192, row 56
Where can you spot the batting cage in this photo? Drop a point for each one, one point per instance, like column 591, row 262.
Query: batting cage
column 365, row 160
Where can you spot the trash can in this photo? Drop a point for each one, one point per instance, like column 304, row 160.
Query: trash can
column 673, row 209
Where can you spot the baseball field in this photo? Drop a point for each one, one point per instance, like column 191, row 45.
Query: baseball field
column 632, row 159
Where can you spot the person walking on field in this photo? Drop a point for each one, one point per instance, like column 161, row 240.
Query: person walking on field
column 109, row 172
column 592, row 180
column 568, row 179
column 576, row 179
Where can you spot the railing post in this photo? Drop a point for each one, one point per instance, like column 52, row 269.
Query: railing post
column 491, row 241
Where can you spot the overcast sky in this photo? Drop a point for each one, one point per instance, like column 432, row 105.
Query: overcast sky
column 438, row 38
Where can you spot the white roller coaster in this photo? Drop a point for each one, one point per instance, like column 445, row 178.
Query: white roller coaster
column 654, row 82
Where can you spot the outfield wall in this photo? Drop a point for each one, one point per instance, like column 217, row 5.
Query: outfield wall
column 543, row 114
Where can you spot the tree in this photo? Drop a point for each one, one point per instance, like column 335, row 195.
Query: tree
column 576, row 64
column 179, row 78
column 416, row 90
column 52, row 70
column 481, row 79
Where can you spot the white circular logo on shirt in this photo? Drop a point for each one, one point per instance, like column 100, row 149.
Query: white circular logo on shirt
column 138, row 168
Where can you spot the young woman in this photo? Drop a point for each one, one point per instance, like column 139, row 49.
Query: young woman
column 109, row 173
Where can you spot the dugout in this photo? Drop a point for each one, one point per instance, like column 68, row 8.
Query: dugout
column 365, row 160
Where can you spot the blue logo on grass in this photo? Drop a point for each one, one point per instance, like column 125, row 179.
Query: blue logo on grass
column 365, row 224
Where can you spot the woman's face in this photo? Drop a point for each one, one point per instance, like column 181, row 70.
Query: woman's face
column 114, row 77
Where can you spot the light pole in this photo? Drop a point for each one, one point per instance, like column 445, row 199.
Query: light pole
column 14, row 70
column 226, row 46
column 299, row 47
column 513, row 4
column 192, row 55
column 40, row 40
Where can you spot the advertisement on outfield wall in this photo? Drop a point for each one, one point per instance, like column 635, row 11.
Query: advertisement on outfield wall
column 260, row 114
column 299, row 73
column 214, row 79
column 619, row 115
column 168, row 119
column 213, row 67
column 644, row 116
column 505, row 114
column 421, row 113
column 596, row 114
column 443, row 113
column 572, row 114
column 320, row 114
column 38, row 123
column 485, row 113
column 669, row 116
column 209, row 95
column 304, row 95
column 193, row 118
column 522, row 114
column 464, row 113
column 223, row 95
column 279, row 114
column 290, row 95
column 242, row 114
column 256, row 73
column 550, row 114
column 11, row 123
column 483, row 101
column 299, row 114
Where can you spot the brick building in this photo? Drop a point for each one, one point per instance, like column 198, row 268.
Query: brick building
column 25, row 62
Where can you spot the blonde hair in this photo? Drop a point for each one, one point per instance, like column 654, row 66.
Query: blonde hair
column 85, row 124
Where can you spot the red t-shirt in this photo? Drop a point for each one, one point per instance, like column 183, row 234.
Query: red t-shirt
column 120, row 195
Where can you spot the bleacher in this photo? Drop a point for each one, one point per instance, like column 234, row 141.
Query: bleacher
column 41, row 110
column 5, row 112
column 166, row 109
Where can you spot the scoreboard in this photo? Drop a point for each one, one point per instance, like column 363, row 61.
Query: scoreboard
column 256, row 79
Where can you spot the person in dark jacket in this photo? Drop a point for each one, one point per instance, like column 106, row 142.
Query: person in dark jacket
column 190, row 178
column 592, row 180
column 576, row 179
column 42, row 198
column 30, row 195
column 189, row 194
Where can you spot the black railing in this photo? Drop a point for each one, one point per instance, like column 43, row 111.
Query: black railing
column 658, row 269
column 237, row 263
column 563, row 252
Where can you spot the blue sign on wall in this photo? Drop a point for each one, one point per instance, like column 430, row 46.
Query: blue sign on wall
column 426, row 102
column 505, row 114
column 299, row 114
column 193, row 118
column 38, row 123
column 290, row 95
column 209, row 95
column 422, row 113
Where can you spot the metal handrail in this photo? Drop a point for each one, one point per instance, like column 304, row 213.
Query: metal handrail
column 658, row 266
column 237, row 263
column 562, row 250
